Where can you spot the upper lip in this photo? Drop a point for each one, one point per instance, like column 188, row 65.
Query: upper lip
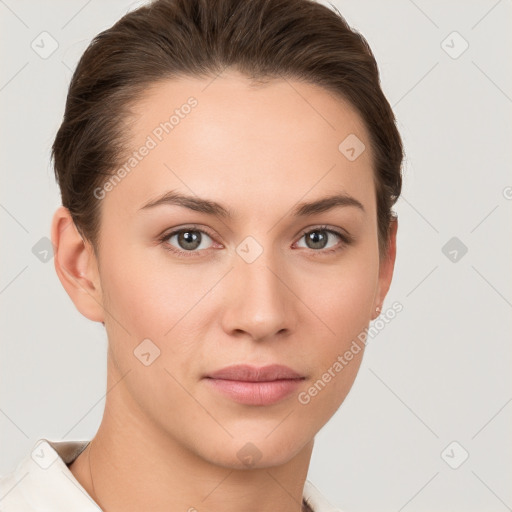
column 248, row 373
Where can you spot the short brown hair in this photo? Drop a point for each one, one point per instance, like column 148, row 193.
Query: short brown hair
column 263, row 39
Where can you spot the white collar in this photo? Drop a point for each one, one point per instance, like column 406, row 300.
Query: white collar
column 42, row 481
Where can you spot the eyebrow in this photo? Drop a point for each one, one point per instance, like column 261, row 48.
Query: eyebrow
column 173, row 198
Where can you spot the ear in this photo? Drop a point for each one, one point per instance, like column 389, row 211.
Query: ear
column 76, row 266
column 386, row 267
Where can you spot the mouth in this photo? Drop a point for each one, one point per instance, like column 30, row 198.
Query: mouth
column 248, row 373
column 251, row 385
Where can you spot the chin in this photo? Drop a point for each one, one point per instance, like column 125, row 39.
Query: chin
column 252, row 451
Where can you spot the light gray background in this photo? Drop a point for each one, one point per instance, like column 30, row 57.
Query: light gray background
column 439, row 372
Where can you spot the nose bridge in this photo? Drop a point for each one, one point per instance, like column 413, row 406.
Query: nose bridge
column 261, row 281
column 260, row 303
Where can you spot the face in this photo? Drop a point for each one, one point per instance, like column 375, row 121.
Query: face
column 189, row 288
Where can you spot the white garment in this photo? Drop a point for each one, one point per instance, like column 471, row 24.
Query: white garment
column 42, row 482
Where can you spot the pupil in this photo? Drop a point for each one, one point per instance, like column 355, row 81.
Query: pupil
column 189, row 239
column 318, row 240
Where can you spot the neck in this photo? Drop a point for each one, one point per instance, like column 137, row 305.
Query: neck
column 136, row 465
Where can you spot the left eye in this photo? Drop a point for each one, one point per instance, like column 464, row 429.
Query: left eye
column 188, row 239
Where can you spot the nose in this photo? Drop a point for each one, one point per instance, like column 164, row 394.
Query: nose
column 260, row 302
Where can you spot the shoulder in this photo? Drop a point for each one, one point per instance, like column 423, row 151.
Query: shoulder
column 316, row 500
column 42, row 481
column 13, row 488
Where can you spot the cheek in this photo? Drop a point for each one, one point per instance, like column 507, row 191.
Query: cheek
column 344, row 301
column 146, row 303
column 136, row 302
column 147, row 296
column 150, row 297
column 344, row 305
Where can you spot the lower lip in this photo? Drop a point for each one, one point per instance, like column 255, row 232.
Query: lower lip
column 256, row 393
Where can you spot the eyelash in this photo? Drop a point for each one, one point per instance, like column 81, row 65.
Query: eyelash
column 345, row 241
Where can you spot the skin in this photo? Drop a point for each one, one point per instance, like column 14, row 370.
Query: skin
column 257, row 150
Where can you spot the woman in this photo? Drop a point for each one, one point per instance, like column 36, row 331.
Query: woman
column 227, row 171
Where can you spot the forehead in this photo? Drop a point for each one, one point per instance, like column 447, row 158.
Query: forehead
column 224, row 137
column 304, row 111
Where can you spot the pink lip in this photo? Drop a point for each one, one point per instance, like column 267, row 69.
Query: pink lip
column 255, row 386
column 248, row 373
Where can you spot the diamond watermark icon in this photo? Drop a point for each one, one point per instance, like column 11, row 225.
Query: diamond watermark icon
column 146, row 352
column 44, row 455
column 249, row 454
column 454, row 45
column 454, row 249
column 249, row 249
column 455, row 455
column 351, row 147
column 43, row 249
column 44, row 45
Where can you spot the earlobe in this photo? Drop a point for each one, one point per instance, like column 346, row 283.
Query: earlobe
column 76, row 266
